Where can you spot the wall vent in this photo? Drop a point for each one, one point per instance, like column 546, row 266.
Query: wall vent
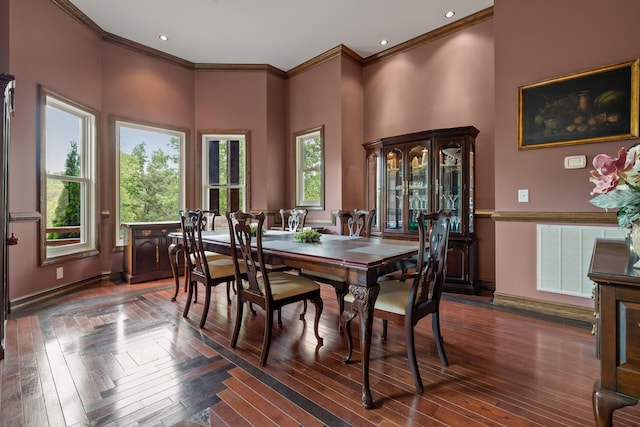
column 564, row 254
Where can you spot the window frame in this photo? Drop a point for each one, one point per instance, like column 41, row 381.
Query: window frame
column 299, row 140
column 209, row 135
column 90, row 134
column 183, row 134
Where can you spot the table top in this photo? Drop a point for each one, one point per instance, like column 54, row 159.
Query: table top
column 361, row 252
column 612, row 262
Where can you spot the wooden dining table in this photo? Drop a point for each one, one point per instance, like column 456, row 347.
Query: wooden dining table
column 360, row 259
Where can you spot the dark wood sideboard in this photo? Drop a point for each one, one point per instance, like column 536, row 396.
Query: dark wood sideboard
column 146, row 254
column 617, row 302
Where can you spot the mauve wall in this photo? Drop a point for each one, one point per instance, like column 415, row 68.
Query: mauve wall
column 446, row 83
column 4, row 37
column 315, row 99
column 70, row 63
column 237, row 101
column 535, row 41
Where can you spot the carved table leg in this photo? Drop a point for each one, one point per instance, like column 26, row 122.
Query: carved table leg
column 605, row 402
column 365, row 299
column 174, row 249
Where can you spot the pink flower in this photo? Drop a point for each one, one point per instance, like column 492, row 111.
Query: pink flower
column 603, row 183
column 609, row 170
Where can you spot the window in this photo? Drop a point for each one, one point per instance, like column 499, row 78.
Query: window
column 224, row 172
column 150, row 174
column 310, row 168
column 68, row 177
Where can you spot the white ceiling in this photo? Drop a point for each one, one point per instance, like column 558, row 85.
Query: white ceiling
column 280, row 33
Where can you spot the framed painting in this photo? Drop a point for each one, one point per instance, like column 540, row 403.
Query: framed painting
column 591, row 106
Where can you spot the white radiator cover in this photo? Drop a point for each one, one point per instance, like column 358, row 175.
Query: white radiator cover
column 564, row 254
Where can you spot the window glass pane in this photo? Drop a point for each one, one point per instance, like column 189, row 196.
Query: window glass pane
column 149, row 175
column 63, row 223
column 224, row 178
column 63, row 131
column 309, row 168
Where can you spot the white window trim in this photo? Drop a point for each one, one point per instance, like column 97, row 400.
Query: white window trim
column 300, row 138
column 182, row 137
column 242, row 136
column 88, row 233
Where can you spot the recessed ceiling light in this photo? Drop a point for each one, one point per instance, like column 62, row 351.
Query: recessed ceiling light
column 163, row 37
column 449, row 14
column 384, row 42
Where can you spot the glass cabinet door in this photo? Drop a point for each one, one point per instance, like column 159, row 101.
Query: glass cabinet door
column 394, row 197
column 450, row 192
column 374, row 186
column 418, row 181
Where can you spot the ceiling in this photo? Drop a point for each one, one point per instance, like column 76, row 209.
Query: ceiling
column 280, row 33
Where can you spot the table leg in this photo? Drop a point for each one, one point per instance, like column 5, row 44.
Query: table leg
column 365, row 299
column 605, row 402
column 174, row 249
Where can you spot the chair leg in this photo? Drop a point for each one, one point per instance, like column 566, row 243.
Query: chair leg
column 280, row 317
column 411, row 355
column 187, row 306
column 236, row 328
column 304, row 309
column 345, row 322
column 229, row 292
column 319, row 306
column 384, row 329
column 435, row 326
column 268, row 328
column 207, row 303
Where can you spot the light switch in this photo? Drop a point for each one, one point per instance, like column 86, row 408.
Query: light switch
column 575, row 162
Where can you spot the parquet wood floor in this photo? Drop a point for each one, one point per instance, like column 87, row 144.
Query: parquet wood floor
column 123, row 355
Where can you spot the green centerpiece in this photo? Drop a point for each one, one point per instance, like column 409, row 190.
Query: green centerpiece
column 308, row 236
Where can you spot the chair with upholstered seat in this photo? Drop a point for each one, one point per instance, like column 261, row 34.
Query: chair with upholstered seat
column 208, row 268
column 206, row 223
column 407, row 303
column 352, row 223
column 268, row 290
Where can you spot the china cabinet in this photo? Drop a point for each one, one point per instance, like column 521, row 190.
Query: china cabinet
column 427, row 171
column 6, row 89
column 147, row 250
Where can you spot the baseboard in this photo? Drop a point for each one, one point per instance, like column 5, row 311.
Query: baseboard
column 566, row 311
column 34, row 301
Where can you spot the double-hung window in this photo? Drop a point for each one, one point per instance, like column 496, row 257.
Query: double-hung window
column 150, row 174
column 310, row 168
column 68, row 144
column 225, row 178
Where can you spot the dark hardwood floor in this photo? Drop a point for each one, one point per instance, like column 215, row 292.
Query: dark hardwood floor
column 123, row 355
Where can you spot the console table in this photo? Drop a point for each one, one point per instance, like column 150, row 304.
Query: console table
column 618, row 327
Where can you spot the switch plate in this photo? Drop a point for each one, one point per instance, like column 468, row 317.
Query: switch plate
column 575, row 162
column 523, row 196
column 59, row 273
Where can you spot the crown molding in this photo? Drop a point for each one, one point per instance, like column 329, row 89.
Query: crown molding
column 454, row 27
column 340, row 50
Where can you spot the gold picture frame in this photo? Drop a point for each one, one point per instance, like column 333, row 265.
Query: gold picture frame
column 591, row 106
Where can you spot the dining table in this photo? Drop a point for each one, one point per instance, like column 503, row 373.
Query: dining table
column 360, row 259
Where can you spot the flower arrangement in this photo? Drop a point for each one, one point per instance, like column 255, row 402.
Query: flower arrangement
column 254, row 229
column 617, row 184
column 308, row 236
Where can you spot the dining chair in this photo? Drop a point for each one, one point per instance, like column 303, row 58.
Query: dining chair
column 268, row 290
column 352, row 223
column 293, row 219
column 407, row 303
column 209, row 268
column 207, row 223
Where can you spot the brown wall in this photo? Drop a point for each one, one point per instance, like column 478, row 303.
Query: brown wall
column 446, row 83
column 535, row 41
